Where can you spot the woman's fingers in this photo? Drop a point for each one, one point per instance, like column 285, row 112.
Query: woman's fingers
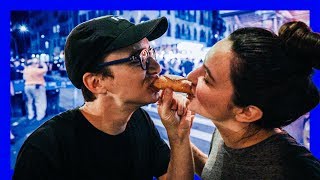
column 167, row 107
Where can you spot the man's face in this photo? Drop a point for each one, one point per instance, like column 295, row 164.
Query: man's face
column 131, row 84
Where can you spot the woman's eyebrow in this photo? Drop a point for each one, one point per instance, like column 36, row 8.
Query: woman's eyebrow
column 208, row 71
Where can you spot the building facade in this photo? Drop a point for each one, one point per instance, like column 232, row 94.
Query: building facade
column 271, row 20
column 49, row 30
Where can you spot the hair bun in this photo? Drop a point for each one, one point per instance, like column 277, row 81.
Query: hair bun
column 301, row 43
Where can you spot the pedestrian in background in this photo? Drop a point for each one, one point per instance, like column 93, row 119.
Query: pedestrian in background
column 35, row 89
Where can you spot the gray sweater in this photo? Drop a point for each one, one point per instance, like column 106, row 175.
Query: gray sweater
column 278, row 157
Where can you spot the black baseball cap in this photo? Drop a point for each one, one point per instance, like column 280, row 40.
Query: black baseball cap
column 88, row 42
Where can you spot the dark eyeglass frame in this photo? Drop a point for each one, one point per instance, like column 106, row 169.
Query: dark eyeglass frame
column 143, row 60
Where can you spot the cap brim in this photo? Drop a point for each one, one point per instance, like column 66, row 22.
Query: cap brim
column 151, row 30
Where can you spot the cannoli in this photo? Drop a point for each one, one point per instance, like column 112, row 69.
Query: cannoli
column 176, row 83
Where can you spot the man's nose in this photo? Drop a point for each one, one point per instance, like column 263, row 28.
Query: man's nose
column 154, row 67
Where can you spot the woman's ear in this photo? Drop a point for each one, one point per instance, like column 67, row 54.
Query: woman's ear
column 93, row 83
column 248, row 114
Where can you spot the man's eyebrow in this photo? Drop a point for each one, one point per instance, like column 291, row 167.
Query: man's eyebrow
column 208, row 71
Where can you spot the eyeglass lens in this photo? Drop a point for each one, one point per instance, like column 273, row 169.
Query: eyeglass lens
column 144, row 57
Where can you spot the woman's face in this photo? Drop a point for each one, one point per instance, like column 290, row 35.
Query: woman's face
column 213, row 88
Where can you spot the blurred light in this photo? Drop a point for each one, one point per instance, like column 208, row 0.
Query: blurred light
column 46, row 44
column 23, row 28
column 216, row 36
column 33, row 55
column 189, row 46
column 58, row 28
column 153, row 44
column 43, row 57
column 37, row 56
column 42, row 36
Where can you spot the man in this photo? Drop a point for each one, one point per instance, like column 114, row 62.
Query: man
column 35, row 89
column 110, row 136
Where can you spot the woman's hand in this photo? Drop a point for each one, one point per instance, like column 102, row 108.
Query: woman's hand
column 175, row 116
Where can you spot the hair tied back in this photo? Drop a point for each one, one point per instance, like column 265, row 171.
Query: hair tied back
column 301, row 43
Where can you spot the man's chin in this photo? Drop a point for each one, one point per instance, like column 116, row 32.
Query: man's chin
column 150, row 97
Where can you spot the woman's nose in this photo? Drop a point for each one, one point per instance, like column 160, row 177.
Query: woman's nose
column 193, row 76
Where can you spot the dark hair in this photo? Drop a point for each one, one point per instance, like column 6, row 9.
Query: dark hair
column 274, row 72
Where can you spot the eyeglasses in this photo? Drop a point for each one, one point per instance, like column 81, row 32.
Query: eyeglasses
column 143, row 56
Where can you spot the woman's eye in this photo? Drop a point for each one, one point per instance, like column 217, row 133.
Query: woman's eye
column 205, row 79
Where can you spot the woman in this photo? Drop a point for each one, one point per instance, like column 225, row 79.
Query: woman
column 250, row 85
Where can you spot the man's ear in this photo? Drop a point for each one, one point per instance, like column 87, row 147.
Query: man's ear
column 248, row 114
column 93, row 83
